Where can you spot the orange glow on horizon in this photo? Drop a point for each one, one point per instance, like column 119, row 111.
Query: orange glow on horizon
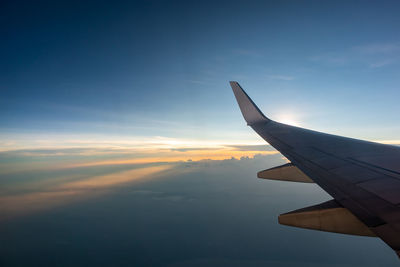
column 116, row 178
column 23, row 204
column 176, row 156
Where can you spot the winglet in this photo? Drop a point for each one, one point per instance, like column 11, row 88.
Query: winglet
column 250, row 111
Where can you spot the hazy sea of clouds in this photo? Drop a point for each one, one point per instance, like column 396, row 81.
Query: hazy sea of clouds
column 187, row 213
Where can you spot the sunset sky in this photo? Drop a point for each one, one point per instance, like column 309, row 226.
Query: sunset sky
column 159, row 70
column 100, row 96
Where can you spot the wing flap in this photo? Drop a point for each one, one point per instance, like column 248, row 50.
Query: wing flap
column 329, row 217
column 286, row 172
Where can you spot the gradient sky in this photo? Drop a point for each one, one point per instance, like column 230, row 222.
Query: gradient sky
column 161, row 69
column 121, row 142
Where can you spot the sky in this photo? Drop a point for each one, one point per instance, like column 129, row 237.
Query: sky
column 150, row 69
column 111, row 106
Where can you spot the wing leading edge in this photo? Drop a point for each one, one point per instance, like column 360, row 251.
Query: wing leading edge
column 363, row 177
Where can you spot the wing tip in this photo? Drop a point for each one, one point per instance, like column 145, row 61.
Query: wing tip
column 251, row 113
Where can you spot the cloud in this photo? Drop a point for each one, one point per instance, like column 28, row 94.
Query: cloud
column 381, row 63
column 198, row 207
column 118, row 178
column 373, row 55
column 48, row 143
column 379, row 54
column 167, row 151
column 52, row 187
column 162, row 196
column 381, row 48
column 24, row 204
column 51, row 193
column 185, row 149
column 253, row 147
column 330, row 58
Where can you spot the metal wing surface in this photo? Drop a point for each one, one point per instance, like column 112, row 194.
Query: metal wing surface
column 362, row 177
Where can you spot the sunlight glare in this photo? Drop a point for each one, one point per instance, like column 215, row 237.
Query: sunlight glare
column 289, row 119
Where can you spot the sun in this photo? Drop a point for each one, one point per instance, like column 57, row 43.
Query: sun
column 289, row 119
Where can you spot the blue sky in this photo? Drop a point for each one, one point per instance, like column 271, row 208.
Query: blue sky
column 158, row 68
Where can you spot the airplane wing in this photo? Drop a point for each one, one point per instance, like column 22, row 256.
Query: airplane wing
column 362, row 177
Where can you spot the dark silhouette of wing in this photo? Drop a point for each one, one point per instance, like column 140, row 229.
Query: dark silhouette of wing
column 362, row 177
